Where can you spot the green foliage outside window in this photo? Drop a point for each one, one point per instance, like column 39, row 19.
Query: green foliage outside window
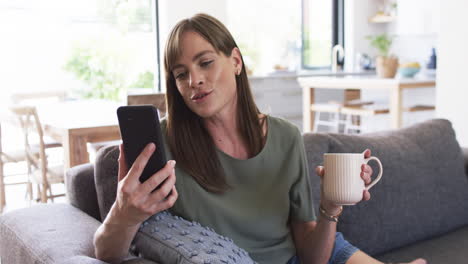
column 132, row 15
column 144, row 80
column 99, row 69
column 316, row 52
column 111, row 63
column 107, row 67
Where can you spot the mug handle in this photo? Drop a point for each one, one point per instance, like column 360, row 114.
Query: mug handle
column 378, row 176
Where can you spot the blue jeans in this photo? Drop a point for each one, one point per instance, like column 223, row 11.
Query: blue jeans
column 342, row 251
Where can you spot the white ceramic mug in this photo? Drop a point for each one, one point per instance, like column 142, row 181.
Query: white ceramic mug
column 342, row 182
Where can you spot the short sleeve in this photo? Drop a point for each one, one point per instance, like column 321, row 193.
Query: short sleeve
column 300, row 194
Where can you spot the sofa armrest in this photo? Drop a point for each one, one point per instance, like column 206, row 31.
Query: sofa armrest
column 465, row 156
column 81, row 189
column 136, row 260
column 89, row 260
column 83, row 260
column 52, row 233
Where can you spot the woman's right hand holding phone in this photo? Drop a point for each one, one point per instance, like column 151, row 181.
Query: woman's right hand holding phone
column 135, row 201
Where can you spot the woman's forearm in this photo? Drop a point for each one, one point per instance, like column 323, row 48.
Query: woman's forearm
column 112, row 240
column 318, row 244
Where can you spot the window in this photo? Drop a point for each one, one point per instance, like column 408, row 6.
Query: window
column 92, row 48
column 322, row 28
column 268, row 33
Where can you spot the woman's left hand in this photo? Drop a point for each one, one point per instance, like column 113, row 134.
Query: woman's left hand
column 366, row 173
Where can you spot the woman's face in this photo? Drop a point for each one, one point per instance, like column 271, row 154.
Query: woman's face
column 206, row 79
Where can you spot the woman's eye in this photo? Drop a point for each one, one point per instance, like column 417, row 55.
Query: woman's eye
column 180, row 75
column 206, row 63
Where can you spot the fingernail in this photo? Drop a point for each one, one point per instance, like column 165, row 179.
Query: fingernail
column 151, row 146
column 172, row 163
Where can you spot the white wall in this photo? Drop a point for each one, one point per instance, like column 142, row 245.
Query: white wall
column 357, row 27
column 452, row 83
column 416, row 29
column 418, row 17
column 172, row 11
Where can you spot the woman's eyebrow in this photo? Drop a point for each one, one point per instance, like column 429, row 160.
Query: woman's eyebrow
column 196, row 57
column 201, row 53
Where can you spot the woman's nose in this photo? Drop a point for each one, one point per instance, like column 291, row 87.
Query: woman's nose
column 196, row 79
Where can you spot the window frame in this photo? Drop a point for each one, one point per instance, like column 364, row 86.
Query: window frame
column 157, row 86
column 337, row 31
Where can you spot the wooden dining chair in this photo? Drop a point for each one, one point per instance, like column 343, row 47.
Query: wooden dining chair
column 16, row 156
column 156, row 99
column 41, row 174
column 40, row 97
column 11, row 157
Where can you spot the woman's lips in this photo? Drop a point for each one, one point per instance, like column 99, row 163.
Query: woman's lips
column 200, row 97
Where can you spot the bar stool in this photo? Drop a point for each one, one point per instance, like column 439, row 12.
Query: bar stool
column 333, row 109
column 352, row 116
column 333, row 112
column 351, row 113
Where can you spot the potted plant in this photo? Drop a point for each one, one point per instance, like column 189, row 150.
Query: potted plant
column 386, row 64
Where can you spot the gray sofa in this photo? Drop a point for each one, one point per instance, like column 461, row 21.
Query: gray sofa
column 418, row 209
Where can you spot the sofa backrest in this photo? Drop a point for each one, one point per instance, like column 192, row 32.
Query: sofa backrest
column 423, row 192
column 105, row 177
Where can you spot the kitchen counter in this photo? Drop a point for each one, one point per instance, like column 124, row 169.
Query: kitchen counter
column 310, row 73
column 357, row 81
column 393, row 86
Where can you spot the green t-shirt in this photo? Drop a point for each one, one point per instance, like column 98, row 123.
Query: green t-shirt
column 267, row 191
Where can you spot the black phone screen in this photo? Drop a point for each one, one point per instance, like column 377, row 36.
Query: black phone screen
column 139, row 125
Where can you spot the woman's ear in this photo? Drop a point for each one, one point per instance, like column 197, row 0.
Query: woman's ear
column 236, row 59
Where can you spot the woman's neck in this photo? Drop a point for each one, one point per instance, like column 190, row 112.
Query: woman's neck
column 226, row 135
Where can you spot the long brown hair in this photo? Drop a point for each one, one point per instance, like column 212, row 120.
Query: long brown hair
column 188, row 139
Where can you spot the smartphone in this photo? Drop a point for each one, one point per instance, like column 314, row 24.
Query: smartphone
column 139, row 125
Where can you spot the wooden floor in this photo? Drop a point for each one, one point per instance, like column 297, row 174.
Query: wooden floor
column 16, row 194
column 16, row 197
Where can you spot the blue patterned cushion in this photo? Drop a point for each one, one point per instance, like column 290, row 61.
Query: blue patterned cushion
column 166, row 238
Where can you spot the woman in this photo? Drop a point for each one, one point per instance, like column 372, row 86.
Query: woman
column 239, row 171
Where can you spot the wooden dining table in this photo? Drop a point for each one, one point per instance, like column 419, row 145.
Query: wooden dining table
column 394, row 87
column 77, row 123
